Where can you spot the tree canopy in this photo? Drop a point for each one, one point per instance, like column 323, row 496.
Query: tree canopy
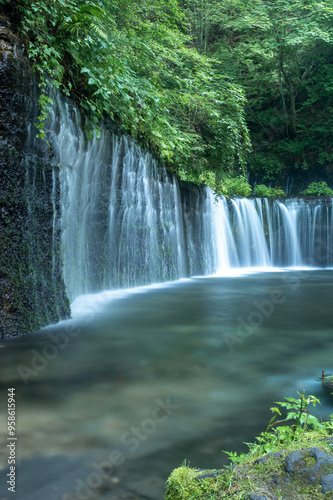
column 280, row 53
column 134, row 62
column 192, row 80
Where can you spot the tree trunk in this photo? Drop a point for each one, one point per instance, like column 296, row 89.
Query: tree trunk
column 292, row 120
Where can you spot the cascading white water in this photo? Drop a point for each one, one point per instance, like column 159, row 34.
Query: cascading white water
column 122, row 219
column 223, row 235
column 249, row 225
column 126, row 222
column 294, row 233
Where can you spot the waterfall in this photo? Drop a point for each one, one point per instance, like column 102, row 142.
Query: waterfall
column 266, row 234
column 249, row 225
column 127, row 221
column 122, row 219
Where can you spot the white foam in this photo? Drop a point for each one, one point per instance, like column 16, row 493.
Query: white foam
column 94, row 302
column 86, row 304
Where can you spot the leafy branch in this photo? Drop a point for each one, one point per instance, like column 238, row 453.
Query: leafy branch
column 133, row 61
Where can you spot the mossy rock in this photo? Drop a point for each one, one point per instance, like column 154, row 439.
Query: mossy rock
column 288, row 474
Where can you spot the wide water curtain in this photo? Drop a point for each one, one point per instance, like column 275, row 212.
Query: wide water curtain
column 123, row 221
column 126, row 220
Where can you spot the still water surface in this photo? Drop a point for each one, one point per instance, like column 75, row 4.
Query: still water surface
column 141, row 381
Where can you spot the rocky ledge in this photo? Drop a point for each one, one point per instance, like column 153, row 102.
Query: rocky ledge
column 32, row 291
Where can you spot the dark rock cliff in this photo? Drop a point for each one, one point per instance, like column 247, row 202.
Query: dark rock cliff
column 32, row 291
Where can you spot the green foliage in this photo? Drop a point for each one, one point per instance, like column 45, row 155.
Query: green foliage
column 317, row 189
column 297, row 411
column 186, row 79
column 184, row 484
column 281, row 53
column 277, row 436
column 263, row 191
column 133, row 61
column 235, row 186
column 267, row 163
column 304, row 431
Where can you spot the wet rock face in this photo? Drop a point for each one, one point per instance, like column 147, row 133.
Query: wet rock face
column 32, row 292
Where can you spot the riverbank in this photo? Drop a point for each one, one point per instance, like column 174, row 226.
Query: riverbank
column 301, row 470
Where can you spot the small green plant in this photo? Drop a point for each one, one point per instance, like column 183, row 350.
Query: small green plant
column 263, row 191
column 276, row 435
column 297, row 410
column 317, row 189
